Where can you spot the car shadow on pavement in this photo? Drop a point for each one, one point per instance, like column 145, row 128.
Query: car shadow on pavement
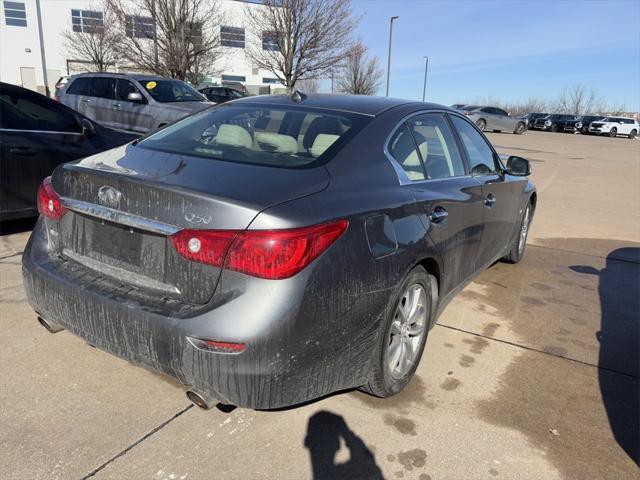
column 619, row 337
column 326, row 433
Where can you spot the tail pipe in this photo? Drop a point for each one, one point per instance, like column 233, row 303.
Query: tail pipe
column 50, row 326
column 200, row 400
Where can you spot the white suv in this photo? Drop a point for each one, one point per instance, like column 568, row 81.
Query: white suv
column 614, row 126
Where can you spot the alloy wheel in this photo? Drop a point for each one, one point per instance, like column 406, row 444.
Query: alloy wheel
column 407, row 331
column 524, row 230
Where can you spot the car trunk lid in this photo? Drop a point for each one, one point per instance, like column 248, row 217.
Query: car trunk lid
column 125, row 204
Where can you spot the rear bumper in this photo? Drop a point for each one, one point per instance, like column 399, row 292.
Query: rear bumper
column 290, row 355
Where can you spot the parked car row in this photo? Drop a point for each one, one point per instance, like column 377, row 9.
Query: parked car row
column 496, row 119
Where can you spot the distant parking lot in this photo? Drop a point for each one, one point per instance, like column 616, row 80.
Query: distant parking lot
column 531, row 372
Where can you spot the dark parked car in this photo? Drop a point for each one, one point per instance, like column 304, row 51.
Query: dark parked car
column 532, row 117
column 273, row 250
column 554, row 122
column 221, row 94
column 581, row 124
column 36, row 135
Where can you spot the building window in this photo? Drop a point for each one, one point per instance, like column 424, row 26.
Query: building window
column 270, row 41
column 234, row 78
column 15, row 14
column 232, row 37
column 87, row 21
column 140, row 27
column 270, row 80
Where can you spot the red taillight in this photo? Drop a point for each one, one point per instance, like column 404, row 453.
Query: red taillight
column 271, row 254
column 49, row 203
column 216, row 346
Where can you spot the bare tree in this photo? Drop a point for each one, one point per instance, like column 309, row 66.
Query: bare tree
column 578, row 100
column 360, row 74
column 92, row 39
column 308, row 85
column 175, row 38
column 299, row 38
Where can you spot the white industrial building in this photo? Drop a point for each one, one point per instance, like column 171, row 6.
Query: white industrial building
column 20, row 55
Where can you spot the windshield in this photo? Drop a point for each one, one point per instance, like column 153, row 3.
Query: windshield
column 264, row 135
column 170, row 91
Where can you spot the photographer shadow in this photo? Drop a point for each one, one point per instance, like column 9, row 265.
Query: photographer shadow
column 326, row 432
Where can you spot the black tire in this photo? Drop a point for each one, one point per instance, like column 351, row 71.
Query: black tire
column 497, row 131
column 613, row 132
column 633, row 134
column 516, row 252
column 554, row 128
column 481, row 124
column 584, row 130
column 381, row 383
column 519, row 129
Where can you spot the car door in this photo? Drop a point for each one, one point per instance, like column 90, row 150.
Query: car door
column 99, row 101
column 449, row 200
column 36, row 135
column 507, row 123
column 501, row 192
column 133, row 116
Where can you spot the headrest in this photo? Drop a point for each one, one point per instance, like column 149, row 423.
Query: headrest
column 233, row 136
column 280, row 143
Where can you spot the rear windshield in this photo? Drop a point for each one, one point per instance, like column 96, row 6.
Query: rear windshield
column 171, row 91
column 263, row 135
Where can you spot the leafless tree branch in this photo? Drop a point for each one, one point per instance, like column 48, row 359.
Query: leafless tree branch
column 360, row 74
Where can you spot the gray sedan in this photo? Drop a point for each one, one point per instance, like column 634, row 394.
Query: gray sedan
column 276, row 249
column 496, row 119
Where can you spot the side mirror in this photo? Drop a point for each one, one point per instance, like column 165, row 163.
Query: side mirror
column 88, row 128
column 518, row 166
column 134, row 97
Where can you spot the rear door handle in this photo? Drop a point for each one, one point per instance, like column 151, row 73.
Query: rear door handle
column 24, row 151
column 438, row 215
column 85, row 100
column 489, row 200
column 116, row 105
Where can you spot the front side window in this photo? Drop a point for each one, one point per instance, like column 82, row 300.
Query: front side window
column 479, row 153
column 171, row 91
column 403, row 149
column 124, row 88
column 262, row 135
column 232, row 37
column 87, row 21
column 436, row 146
column 140, row 27
column 15, row 14
column 29, row 111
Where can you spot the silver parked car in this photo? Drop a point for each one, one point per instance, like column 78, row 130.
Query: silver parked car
column 496, row 119
column 134, row 103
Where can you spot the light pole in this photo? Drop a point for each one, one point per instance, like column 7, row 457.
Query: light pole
column 42, row 53
column 389, row 55
column 424, row 87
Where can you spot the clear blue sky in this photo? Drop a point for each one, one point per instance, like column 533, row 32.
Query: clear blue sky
column 507, row 50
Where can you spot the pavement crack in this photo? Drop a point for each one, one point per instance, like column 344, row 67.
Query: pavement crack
column 532, row 349
column 136, row 443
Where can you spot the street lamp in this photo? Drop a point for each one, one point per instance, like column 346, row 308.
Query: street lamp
column 389, row 55
column 424, row 87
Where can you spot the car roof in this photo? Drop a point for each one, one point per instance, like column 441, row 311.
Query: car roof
column 362, row 104
column 135, row 76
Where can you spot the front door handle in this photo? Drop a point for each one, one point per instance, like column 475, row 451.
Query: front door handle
column 24, row 151
column 116, row 105
column 489, row 200
column 438, row 215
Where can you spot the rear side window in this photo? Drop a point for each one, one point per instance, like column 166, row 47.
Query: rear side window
column 403, row 149
column 30, row 111
column 259, row 135
column 480, row 154
column 102, row 87
column 80, row 86
column 436, row 146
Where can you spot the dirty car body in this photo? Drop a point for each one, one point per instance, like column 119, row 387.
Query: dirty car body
column 162, row 252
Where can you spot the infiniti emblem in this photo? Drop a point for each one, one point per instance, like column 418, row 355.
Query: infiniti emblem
column 109, row 197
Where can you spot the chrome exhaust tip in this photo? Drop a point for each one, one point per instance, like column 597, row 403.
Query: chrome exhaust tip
column 199, row 400
column 50, row 326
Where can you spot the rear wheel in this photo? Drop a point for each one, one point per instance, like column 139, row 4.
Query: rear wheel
column 520, row 242
column 633, row 133
column 613, row 132
column 481, row 124
column 584, row 130
column 396, row 357
column 519, row 128
column 554, row 128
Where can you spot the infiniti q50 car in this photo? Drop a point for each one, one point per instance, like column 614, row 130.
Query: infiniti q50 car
column 274, row 249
